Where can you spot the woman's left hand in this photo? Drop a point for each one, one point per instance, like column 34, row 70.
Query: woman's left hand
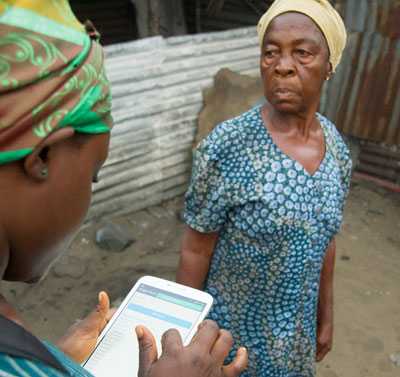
column 324, row 339
column 80, row 339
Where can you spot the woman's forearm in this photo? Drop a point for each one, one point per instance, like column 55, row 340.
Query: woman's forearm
column 325, row 304
column 193, row 269
column 196, row 253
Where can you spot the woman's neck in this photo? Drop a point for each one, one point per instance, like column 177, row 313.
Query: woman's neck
column 6, row 310
column 299, row 124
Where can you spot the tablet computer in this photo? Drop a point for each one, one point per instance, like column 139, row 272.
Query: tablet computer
column 157, row 304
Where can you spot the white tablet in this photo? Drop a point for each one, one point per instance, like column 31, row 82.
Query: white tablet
column 157, row 304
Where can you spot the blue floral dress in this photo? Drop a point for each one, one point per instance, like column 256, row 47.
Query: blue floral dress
column 275, row 221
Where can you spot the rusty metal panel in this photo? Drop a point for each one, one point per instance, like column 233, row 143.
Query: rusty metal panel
column 371, row 15
column 381, row 162
column 363, row 98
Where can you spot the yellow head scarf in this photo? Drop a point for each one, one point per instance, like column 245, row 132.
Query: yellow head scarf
column 321, row 12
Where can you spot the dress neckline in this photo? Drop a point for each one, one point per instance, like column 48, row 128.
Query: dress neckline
column 285, row 155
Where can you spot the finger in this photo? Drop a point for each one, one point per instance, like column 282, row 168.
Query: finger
column 110, row 313
column 96, row 320
column 238, row 365
column 206, row 336
column 222, row 347
column 104, row 304
column 171, row 342
column 321, row 353
column 147, row 350
column 101, row 315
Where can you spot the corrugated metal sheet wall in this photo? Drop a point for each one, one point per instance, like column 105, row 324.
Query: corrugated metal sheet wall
column 157, row 89
column 157, row 86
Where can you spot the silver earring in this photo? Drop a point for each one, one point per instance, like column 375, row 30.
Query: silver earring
column 44, row 172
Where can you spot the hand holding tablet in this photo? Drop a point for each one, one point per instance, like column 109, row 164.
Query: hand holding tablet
column 172, row 313
column 203, row 357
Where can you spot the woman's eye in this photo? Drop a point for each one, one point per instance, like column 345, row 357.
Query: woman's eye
column 303, row 53
column 269, row 53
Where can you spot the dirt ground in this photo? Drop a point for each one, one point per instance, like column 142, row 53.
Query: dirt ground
column 367, row 283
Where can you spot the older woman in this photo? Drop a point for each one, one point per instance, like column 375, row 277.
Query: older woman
column 266, row 200
column 54, row 135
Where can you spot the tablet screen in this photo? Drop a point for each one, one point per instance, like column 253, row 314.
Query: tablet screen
column 157, row 309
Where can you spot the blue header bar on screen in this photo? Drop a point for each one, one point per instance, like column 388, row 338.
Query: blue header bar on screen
column 161, row 316
column 174, row 298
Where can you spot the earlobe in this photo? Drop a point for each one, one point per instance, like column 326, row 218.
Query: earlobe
column 329, row 70
column 36, row 164
column 35, row 167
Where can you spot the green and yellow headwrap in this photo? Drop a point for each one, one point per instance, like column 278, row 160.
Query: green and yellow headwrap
column 51, row 76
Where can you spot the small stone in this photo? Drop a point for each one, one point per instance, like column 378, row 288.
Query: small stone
column 180, row 216
column 395, row 359
column 85, row 241
column 345, row 257
column 113, row 237
column 69, row 266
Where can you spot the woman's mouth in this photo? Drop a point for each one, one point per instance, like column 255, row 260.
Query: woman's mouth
column 284, row 93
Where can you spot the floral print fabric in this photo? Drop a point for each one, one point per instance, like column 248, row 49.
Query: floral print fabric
column 275, row 221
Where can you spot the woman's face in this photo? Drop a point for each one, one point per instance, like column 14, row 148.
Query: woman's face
column 294, row 63
column 49, row 213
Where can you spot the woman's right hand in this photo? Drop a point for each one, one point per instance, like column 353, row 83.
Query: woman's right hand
column 203, row 357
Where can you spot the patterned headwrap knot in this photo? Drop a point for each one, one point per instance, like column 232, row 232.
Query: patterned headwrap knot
column 321, row 12
column 51, row 76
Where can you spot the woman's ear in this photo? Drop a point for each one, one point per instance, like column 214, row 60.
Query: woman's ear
column 36, row 163
column 329, row 70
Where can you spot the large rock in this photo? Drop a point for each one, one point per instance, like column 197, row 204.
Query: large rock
column 231, row 95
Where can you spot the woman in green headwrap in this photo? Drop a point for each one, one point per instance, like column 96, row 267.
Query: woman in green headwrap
column 54, row 135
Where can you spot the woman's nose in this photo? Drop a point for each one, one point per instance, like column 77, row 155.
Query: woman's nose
column 285, row 66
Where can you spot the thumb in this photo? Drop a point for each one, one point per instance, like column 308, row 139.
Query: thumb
column 96, row 320
column 238, row 365
column 147, row 350
column 101, row 314
column 104, row 304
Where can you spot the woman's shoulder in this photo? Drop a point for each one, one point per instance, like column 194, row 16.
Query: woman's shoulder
column 336, row 145
column 230, row 134
column 328, row 125
column 334, row 138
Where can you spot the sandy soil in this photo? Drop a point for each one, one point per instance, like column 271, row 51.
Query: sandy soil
column 367, row 285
